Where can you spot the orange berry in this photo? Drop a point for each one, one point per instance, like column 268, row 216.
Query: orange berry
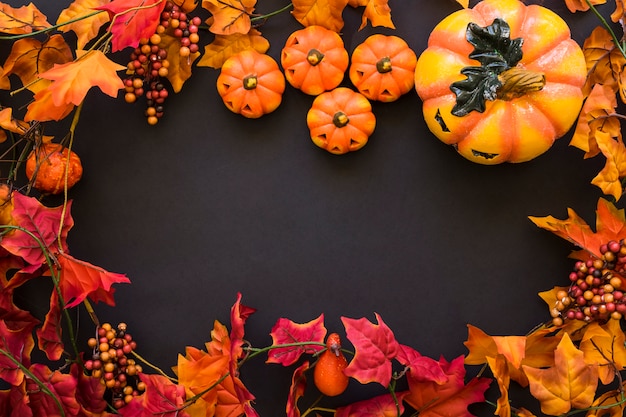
column 328, row 373
column 46, row 166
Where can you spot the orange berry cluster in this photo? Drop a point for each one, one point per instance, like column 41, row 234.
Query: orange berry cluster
column 596, row 292
column 110, row 362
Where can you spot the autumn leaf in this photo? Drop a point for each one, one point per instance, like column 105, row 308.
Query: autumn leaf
column 79, row 280
column 377, row 12
column 161, row 397
column 14, row 401
column 239, row 314
column 224, row 46
column 62, row 386
column 132, row 20
column 179, row 70
column 581, row 5
column 8, row 122
column 500, row 369
column 30, row 57
column 380, row 406
column 90, row 392
column 198, row 372
column 464, row 3
column 326, row 13
column 296, row 390
column 449, row 399
column 22, row 20
column 421, row 367
column 603, row 345
column 41, row 230
column 230, row 16
column 619, row 12
column 286, row 331
column 87, row 23
column 74, row 79
column 609, row 178
column 605, row 62
column 18, row 343
column 43, row 109
column 596, row 115
column 49, row 336
column 375, row 346
column 570, row 383
column 609, row 404
column 610, row 225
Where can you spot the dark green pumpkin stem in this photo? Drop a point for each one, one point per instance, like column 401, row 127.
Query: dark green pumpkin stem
column 250, row 82
column 340, row 119
column 314, row 57
column 384, row 65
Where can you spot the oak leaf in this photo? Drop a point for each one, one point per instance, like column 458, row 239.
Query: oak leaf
column 286, row 331
column 610, row 225
column 375, row 346
column 73, row 80
column 581, row 5
column 296, row 390
column 603, row 345
column 30, row 57
column 380, row 406
column 230, row 16
column 609, row 178
column 326, row 13
column 79, row 280
column 179, row 70
column 377, row 12
column 449, row 399
column 224, row 46
column 570, row 383
column 43, row 109
column 596, row 115
column 81, row 19
column 21, row 20
column 132, row 20
column 41, row 230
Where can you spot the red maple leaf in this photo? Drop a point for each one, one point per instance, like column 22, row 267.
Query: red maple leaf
column 80, row 279
column 41, row 230
column 375, row 346
column 296, row 390
column 450, row 398
column 62, row 386
column 89, row 392
column 380, row 406
column 132, row 20
column 18, row 343
column 14, row 402
column 239, row 313
column 286, row 331
column 49, row 335
column 421, row 367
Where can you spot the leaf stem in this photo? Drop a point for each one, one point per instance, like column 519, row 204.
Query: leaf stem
column 258, row 351
column 274, row 13
column 50, row 28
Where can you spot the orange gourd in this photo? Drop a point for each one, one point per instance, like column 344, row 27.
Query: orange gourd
column 328, row 373
column 46, row 166
column 341, row 120
column 251, row 84
column 501, row 81
column 383, row 68
column 314, row 59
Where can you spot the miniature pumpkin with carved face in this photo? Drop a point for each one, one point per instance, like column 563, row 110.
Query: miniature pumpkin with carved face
column 341, row 120
column 501, row 81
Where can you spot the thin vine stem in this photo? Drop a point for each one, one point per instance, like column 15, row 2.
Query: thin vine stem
column 258, row 351
column 156, row 368
column 608, row 27
column 271, row 14
column 50, row 28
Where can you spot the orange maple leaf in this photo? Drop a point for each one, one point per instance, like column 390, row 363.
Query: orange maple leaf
column 200, row 373
column 22, row 20
column 377, row 11
column 230, row 16
column 43, row 109
column 30, row 57
column 609, row 178
column 74, row 79
column 603, row 345
column 619, row 12
column 179, row 70
column 87, row 22
column 610, row 225
column 8, row 122
column 570, row 383
column 581, row 5
column 326, row 13
column 224, row 46
column 604, row 60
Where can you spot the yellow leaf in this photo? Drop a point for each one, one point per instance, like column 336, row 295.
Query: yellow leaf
column 22, row 20
column 186, row 6
column 609, row 178
column 604, row 61
column 609, row 404
column 570, row 383
column 603, row 345
column 500, row 371
column 377, row 11
column 74, row 79
column 29, row 58
column 619, row 12
column 463, row 3
column 326, row 13
column 8, row 122
column 43, row 109
column 179, row 70
column 85, row 28
column 224, row 47
column 229, row 16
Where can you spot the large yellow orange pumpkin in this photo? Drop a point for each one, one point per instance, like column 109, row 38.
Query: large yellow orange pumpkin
column 501, row 81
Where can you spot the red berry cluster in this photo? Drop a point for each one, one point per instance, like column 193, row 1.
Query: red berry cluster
column 110, row 362
column 596, row 292
column 149, row 66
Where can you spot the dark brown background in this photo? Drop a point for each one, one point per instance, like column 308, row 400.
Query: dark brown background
column 207, row 204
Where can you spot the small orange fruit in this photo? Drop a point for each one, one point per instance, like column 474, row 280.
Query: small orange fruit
column 47, row 164
column 6, row 205
column 328, row 373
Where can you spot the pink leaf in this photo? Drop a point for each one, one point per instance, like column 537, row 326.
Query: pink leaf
column 286, row 331
column 132, row 20
column 422, row 368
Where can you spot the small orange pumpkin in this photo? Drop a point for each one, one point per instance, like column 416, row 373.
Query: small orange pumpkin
column 341, row 120
column 314, row 59
column 251, row 84
column 383, row 68
column 46, row 166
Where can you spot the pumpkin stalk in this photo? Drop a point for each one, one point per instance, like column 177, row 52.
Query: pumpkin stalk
column 383, row 65
column 517, row 82
column 340, row 119
column 314, row 57
column 250, row 82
